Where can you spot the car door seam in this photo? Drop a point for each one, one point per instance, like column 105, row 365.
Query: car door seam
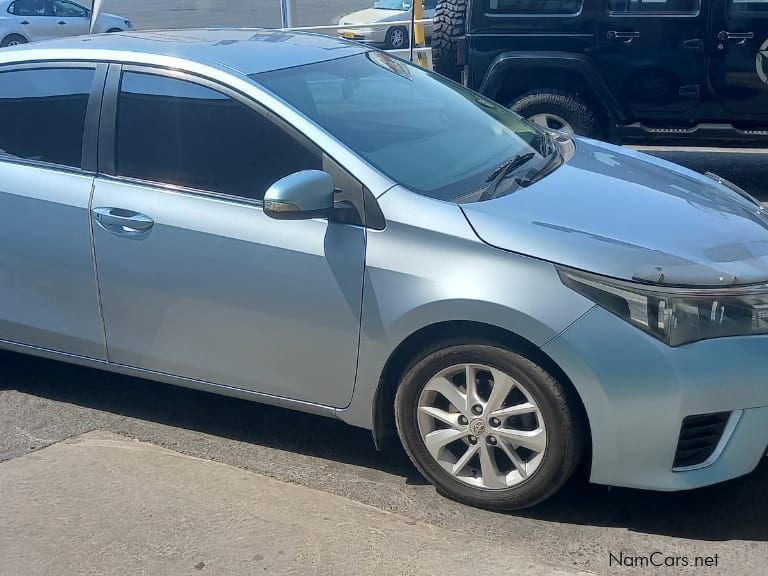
column 96, row 270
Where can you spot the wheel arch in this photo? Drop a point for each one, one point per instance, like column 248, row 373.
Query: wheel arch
column 442, row 332
column 514, row 73
column 14, row 32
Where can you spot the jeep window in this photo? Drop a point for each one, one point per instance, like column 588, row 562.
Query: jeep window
column 559, row 7
column 660, row 7
column 749, row 6
column 419, row 129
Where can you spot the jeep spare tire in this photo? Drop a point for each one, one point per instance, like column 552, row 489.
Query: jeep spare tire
column 449, row 26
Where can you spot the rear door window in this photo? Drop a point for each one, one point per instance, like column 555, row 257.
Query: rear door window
column 42, row 114
column 559, row 7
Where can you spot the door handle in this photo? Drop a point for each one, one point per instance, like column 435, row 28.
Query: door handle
column 625, row 37
column 740, row 37
column 122, row 222
column 62, row 22
column 24, row 22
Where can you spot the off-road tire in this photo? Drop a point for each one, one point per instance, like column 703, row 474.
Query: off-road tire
column 559, row 406
column 449, row 26
column 568, row 106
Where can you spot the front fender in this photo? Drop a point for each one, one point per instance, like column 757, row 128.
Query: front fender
column 518, row 62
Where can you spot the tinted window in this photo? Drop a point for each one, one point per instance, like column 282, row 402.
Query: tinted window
column 64, row 9
column 424, row 132
column 177, row 132
column 534, row 6
column 28, row 8
column 671, row 7
column 746, row 6
column 42, row 114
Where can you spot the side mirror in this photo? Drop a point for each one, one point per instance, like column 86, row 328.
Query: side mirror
column 300, row 196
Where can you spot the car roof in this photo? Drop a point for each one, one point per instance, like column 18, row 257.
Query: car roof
column 248, row 51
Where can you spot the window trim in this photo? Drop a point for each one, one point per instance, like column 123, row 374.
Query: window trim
column 107, row 157
column 93, row 109
column 490, row 14
column 659, row 14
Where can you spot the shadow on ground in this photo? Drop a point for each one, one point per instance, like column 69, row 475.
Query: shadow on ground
column 735, row 510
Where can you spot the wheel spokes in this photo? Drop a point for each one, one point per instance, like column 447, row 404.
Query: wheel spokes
column 502, row 386
column 437, row 440
column 450, row 418
column 492, row 477
column 450, row 392
column 462, row 462
column 517, row 462
column 534, row 440
column 517, row 410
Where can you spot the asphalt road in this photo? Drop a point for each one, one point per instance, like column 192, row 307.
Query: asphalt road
column 43, row 402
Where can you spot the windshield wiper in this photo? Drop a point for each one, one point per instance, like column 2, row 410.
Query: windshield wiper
column 500, row 172
column 554, row 161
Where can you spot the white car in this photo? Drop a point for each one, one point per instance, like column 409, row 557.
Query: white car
column 391, row 37
column 23, row 21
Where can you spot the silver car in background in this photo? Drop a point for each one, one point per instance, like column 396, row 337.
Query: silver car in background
column 23, row 21
column 394, row 37
column 303, row 221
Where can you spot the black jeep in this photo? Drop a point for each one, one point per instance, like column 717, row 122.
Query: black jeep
column 622, row 70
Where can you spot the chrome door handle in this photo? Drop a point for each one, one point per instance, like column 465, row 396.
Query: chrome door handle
column 625, row 37
column 740, row 37
column 123, row 222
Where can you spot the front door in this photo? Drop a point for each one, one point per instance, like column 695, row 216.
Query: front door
column 48, row 293
column 196, row 281
column 71, row 19
column 739, row 66
column 652, row 52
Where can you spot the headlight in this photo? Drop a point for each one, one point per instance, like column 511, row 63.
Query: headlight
column 129, row 24
column 677, row 315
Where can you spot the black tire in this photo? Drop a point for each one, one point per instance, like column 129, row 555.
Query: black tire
column 559, row 409
column 113, row 30
column 571, row 108
column 449, row 26
column 12, row 39
column 393, row 34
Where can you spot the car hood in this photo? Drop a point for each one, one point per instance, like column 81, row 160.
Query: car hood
column 624, row 214
column 374, row 15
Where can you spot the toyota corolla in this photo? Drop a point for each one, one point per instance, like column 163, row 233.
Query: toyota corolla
column 307, row 222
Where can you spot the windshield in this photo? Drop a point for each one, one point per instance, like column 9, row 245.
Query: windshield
column 422, row 131
column 392, row 5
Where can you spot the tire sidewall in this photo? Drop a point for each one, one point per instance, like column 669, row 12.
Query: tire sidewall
column 6, row 41
column 547, row 479
column 570, row 108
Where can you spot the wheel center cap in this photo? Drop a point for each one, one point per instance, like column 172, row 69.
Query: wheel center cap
column 477, row 427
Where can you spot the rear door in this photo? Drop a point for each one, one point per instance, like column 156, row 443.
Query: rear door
column 48, row 293
column 196, row 281
column 71, row 19
column 36, row 18
column 739, row 67
column 652, row 53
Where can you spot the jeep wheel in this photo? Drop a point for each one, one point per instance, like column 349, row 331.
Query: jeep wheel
column 560, row 111
column 449, row 20
column 487, row 426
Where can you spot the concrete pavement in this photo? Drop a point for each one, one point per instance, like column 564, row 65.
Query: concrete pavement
column 105, row 504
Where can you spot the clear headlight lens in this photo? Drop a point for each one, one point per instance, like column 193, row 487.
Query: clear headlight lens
column 677, row 315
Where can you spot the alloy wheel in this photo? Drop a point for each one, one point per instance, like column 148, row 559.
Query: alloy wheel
column 482, row 426
column 552, row 122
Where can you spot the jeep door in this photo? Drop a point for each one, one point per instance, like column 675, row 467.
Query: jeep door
column 739, row 63
column 652, row 52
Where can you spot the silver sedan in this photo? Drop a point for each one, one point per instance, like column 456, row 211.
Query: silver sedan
column 303, row 221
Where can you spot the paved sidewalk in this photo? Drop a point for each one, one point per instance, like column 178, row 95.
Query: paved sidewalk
column 104, row 504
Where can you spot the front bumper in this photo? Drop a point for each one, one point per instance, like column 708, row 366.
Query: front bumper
column 637, row 391
column 366, row 35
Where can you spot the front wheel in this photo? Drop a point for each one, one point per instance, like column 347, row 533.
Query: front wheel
column 488, row 427
column 13, row 40
column 397, row 38
column 559, row 110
